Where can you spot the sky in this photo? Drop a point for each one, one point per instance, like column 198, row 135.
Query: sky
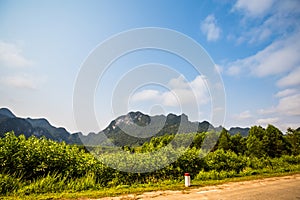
column 255, row 46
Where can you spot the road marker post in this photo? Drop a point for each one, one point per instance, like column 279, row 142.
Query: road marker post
column 187, row 180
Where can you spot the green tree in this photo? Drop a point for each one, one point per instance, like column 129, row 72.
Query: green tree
column 274, row 142
column 238, row 143
column 197, row 142
column 293, row 137
column 254, row 142
column 224, row 141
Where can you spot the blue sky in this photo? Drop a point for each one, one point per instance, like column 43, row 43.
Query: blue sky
column 254, row 44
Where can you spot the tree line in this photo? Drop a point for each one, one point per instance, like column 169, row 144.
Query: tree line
column 39, row 165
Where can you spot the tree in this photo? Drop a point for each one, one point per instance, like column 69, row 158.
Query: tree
column 257, row 131
column 224, row 141
column 274, row 143
column 255, row 146
column 210, row 140
column 238, row 143
column 197, row 142
column 293, row 138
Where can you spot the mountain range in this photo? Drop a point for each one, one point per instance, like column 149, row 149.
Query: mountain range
column 134, row 128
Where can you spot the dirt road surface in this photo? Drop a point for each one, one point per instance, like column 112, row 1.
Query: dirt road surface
column 277, row 188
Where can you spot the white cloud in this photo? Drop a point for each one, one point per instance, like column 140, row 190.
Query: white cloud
column 293, row 78
column 146, row 95
column 280, row 56
column 285, row 114
column 199, row 88
column 253, row 8
column 243, row 115
column 20, row 81
column 289, row 105
column 285, row 92
column 267, row 111
column 285, row 126
column 266, row 121
column 271, row 18
column 186, row 92
column 181, row 93
column 16, row 73
column 210, row 29
column 11, row 56
column 234, row 69
column 178, row 83
column 172, row 99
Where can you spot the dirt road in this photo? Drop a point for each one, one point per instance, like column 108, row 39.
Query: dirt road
column 287, row 187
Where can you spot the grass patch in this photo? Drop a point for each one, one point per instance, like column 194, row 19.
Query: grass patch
column 139, row 189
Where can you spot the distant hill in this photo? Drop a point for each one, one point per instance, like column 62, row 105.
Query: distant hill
column 4, row 112
column 36, row 127
column 134, row 128
column 243, row 131
column 142, row 127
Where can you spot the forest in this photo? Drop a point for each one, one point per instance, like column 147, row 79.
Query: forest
column 39, row 165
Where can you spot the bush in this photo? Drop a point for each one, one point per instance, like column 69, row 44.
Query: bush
column 35, row 157
column 215, row 175
column 226, row 161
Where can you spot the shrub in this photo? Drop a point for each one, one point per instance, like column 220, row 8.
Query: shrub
column 227, row 161
column 215, row 175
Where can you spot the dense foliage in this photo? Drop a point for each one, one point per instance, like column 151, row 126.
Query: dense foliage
column 39, row 165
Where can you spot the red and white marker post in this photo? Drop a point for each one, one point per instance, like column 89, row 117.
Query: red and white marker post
column 187, row 180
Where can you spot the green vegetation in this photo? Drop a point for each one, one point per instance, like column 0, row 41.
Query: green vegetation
column 32, row 166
